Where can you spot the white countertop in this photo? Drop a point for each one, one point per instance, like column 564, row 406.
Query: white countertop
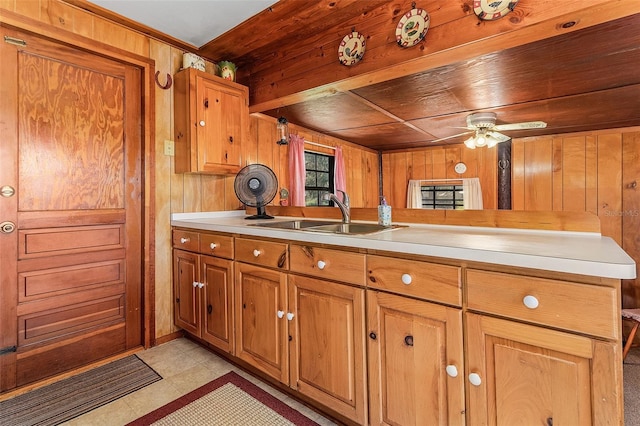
column 561, row 251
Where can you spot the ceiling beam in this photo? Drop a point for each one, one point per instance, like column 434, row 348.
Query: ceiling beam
column 309, row 74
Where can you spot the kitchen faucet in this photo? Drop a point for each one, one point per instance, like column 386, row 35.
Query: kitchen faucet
column 344, row 205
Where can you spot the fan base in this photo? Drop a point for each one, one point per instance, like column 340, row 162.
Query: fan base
column 259, row 216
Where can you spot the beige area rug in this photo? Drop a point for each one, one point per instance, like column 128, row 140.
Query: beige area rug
column 228, row 400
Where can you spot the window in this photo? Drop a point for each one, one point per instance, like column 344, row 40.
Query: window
column 319, row 178
column 442, row 197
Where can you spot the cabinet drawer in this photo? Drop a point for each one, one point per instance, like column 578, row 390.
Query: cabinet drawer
column 186, row 240
column 216, row 245
column 330, row 264
column 429, row 281
column 264, row 253
column 571, row 306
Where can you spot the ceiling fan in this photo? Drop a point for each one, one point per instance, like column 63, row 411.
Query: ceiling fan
column 485, row 131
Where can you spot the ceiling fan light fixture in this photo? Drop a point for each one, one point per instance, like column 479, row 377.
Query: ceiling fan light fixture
column 470, row 143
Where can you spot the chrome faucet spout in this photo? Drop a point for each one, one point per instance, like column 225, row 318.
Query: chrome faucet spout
column 344, row 205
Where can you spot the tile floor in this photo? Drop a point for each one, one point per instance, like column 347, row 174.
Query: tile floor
column 184, row 366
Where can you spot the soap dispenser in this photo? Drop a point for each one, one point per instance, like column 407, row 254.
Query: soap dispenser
column 384, row 212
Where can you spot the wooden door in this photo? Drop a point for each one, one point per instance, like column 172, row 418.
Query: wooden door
column 327, row 352
column 217, row 297
column 261, row 322
column 71, row 150
column 186, row 292
column 412, row 346
column 531, row 375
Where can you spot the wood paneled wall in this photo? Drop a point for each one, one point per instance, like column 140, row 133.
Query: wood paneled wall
column 438, row 163
column 597, row 172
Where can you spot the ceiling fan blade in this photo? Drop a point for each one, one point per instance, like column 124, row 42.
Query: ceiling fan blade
column 450, row 137
column 498, row 136
column 521, row 126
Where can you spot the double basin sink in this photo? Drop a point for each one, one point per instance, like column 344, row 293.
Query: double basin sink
column 329, row 227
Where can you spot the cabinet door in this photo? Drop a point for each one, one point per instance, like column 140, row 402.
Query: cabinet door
column 261, row 321
column 187, row 295
column 232, row 122
column 328, row 361
column 219, row 127
column 217, row 308
column 412, row 346
column 526, row 374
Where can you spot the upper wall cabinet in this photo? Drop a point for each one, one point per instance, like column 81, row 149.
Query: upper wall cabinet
column 211, row 120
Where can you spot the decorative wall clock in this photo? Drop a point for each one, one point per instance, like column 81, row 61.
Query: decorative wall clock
column 351, row 49
column 490, row 10
column 412, row 27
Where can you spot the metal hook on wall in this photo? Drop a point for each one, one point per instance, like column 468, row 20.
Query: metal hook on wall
column 167, row 85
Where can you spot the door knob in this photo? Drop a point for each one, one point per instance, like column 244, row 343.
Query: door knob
column 7, row 227
column 7, row 191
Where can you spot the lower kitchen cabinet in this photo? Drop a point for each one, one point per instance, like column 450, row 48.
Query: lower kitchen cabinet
column 261, row 319
column 416, row 370
column 378, row 339
column 525, row 374
column 204, row 297
column 327, row 350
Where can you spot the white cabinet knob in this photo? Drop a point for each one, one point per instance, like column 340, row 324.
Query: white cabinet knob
column 406, row 279
column 474, row 379
column 530, row 302
column 184, row 240
column 201, row 123
column 200, row 285
column 452, row 370
column 280, row 314
column 213, row 246
column 289, row 316
column 256, row 252
column 321, row 264
column 195, row 284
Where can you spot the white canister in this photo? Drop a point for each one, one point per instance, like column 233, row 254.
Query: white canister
column 190, row 60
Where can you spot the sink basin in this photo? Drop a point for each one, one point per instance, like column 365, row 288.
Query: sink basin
column 328, row 227
column 295, row 224
column 351, row 228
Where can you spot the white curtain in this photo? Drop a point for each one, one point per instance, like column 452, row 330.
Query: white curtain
column 414, row 195
column 471, row 193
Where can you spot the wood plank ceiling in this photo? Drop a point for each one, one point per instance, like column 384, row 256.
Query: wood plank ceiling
column 585, row 80
column 575, row 81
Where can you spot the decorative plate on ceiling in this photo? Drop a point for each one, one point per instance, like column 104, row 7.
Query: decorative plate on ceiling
column 412, row 27
column 490, row 10
column 351, row 49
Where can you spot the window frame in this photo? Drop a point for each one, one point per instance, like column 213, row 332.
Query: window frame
column 457, row 197
column 320, row 190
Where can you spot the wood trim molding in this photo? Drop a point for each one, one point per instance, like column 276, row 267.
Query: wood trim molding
column 131, row 24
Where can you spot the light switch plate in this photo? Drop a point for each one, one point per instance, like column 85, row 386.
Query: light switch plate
column 169, row 148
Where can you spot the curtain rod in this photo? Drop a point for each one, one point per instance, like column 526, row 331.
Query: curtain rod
column 319, row 144
column 436, row 180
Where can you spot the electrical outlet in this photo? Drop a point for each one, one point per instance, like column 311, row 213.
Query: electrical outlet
column 169, row 148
